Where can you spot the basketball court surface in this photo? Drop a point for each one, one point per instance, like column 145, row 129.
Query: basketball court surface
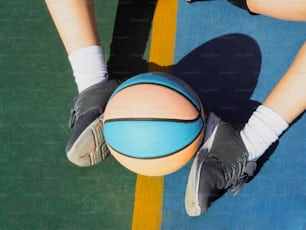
column 231, row 58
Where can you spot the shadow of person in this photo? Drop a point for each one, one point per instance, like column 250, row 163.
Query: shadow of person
column 130, row 38
column 224, row 72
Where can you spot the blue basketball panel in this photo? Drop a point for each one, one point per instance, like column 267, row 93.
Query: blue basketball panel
column 150, row 139
column 165, row 80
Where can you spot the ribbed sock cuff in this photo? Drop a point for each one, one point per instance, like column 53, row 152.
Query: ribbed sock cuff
column 263, row 128
column 88, row 66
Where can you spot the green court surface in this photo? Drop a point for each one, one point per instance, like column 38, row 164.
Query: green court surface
column 39, row 188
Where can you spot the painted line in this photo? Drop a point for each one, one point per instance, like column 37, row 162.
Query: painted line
column 148, row 201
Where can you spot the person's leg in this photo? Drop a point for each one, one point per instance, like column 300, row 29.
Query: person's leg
column 282, row 106
column 75, row 23
column 293, row 10
column 288, row 98
column 227, row 158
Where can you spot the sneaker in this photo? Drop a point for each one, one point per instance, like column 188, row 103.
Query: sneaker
column 219, row 165
column 86, row 146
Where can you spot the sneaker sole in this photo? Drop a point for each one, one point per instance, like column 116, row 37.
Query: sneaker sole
column 90, row 148
column 192, row 205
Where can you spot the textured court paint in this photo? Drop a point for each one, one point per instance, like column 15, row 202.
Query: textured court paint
column 148, row 203
column 149, row 191
column 275, row 198
column 39, row 188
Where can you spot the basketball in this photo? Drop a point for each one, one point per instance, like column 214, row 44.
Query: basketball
column 153, row 124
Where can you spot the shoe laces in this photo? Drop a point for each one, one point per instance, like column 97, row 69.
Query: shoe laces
column 239, row 174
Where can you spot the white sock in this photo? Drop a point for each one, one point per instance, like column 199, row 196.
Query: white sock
column 88, row 66
column 263, row 128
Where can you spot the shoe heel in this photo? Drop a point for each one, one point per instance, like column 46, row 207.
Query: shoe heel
column 192, row 205
column 88, row 149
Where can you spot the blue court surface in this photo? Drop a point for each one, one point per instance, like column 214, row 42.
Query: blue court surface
column 233, row 60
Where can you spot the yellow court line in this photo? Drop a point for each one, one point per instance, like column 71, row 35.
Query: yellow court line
column 149, row 190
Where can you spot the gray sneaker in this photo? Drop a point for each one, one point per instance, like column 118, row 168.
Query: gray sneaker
column 220, row 165
column 86, row 146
